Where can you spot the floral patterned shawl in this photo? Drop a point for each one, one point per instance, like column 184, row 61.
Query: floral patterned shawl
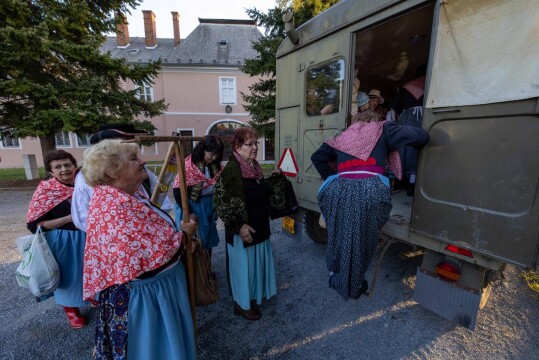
column 49, row 193
column 194, row 176
column 125, row 238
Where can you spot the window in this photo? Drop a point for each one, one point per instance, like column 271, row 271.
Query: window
column 187, row 145
column 145, row 92
column 225, row 130
column 62, row 139
column 324, row 88
column 269, row 149
column 10, row 142
column 148, row 149
column 227, row 90
column 83, row 140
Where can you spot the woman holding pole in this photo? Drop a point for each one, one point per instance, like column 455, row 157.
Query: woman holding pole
column 131, row 260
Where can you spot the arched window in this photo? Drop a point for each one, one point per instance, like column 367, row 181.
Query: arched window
column 225, row 130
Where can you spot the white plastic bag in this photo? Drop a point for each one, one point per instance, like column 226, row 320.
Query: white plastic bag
column 38, row 270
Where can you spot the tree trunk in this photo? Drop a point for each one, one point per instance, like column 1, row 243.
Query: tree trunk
column 47, row 144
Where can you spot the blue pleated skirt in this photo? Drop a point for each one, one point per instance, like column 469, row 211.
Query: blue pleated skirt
column 252, row 273
column 159, row 316
column 205, row 211
column 67, row 246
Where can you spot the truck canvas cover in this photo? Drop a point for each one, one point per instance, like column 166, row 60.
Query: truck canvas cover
column 486, row 52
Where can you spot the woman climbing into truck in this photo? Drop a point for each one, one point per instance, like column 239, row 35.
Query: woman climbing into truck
column 356, row 199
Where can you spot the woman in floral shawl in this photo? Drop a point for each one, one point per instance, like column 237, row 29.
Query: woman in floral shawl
column 202, row 169
column 50, row 209
column 131, row 261
column 240, row 198
column 355, row 199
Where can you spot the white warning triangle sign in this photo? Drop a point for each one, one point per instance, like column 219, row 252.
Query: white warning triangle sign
column 287, row 164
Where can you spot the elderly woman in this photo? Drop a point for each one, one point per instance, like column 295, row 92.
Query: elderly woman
column 50, row 209
column 131, row 261
column 240, row 198
column 356, row 199
column 202, row 169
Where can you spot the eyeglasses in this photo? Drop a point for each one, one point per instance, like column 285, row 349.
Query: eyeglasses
column 252, row 144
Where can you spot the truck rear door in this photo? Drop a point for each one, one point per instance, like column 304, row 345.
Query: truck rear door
column 479, row 176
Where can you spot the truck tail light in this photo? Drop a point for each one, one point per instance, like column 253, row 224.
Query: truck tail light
column 448, row 271
column 460, row 251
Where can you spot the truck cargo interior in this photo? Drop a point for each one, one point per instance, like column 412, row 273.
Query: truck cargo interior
column 388, row 54
column 386, row 57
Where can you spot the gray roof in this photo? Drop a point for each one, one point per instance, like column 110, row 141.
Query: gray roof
column 202, row 47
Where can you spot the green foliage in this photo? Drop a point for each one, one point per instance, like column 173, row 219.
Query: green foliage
column 261, row 100
column 54, row 76
column 532, row 279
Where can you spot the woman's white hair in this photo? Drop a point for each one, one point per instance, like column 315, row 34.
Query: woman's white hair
column 103, row 161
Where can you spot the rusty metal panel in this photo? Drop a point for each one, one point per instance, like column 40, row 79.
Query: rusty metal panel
column 447, row 300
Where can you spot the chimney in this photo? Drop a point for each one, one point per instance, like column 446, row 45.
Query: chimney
column 149, row 29
column 176, row 27
column 122, row 31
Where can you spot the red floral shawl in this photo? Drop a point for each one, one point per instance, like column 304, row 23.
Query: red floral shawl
column 49, row 193
column 249, row 171
column 125, row 238
column 194, row 176
column 359, row 141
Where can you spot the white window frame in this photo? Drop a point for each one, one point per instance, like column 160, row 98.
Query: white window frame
column 145, row 150
column 227, row 90
column 68, row 138
column 147, row 91
column 78, row 144
column 2, row 146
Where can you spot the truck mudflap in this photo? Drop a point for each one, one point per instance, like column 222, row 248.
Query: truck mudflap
column 458, row 301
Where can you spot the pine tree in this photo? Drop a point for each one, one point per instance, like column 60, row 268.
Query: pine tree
column 54, row 76
column 261, row 100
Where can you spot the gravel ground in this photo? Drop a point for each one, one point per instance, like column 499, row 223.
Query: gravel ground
column 306, row 320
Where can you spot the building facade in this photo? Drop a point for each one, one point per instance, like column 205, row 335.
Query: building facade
column 200, row 80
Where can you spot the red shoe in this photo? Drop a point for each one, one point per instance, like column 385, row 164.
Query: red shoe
column 93, row 303
column 76, row 320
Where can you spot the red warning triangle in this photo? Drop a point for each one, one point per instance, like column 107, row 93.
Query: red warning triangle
column 287, row 164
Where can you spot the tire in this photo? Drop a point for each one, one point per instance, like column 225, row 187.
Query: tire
column 317, row 233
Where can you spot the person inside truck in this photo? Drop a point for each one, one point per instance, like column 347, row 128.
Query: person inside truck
column 375, row 103
column 408, row 107
column 356, row 198
column 363, row 105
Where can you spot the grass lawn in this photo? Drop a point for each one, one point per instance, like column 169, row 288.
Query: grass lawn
column 17, row 174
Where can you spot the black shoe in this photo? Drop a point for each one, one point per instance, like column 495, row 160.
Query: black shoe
column 410, row 190
column 364, row 287
column 250, row 314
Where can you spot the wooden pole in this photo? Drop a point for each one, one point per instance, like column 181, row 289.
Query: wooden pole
column 178, row 150
column 170, row 153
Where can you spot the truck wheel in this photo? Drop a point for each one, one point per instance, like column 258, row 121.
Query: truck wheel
column 317, row 233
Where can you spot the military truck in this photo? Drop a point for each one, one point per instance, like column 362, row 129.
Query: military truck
column 475, row 207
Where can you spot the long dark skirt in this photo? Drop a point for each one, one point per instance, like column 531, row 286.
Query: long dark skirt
column 355, row 212
column 410, row 117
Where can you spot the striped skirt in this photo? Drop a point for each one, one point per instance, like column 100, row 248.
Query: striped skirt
column 355, row 212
